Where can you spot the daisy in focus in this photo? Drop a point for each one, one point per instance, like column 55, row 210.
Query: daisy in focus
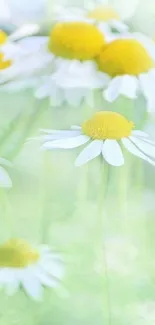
column 130, row 65
column 105, row 134
column 104, row 16
column 5, row 180
column 28, row 267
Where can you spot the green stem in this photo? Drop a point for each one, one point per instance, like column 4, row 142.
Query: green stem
column 13, row 151
column 10, row 129
column 44, row 198
column 101, row 247
column 6, row 211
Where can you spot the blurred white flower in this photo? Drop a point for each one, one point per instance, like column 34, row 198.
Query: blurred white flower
column 22, row 12
column 105, row 17
column 4, row 11
column 29, row 267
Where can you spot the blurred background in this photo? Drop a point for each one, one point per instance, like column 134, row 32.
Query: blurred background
column 140, row 13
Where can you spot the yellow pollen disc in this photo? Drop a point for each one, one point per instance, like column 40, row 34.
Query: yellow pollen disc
column 17, row 253
column 104, row 13
column 3, row 37
column 124, row 57
column 76, row 40
column 107, row 125
column 4, row 64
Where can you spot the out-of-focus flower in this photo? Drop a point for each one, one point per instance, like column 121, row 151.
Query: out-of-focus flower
column 5, row 180
column 22, row 12
column 103, row 16
column 104, row 131
column 10, row 50
column 29, row 267
column 130, row 64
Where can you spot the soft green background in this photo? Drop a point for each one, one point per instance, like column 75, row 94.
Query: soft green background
column 102, row 226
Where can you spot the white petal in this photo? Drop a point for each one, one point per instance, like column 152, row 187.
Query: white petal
column 90, row 152
column 34, row 44
column 63, row 133
column 76, row 127
column 139, row 133
column 113, row 90
column 68, row 143
column 5, row 180
column 25, row 30
column 147, row 82
column 119, row 25
column 32, row 286
column 135, row 151
column 47, row 280
column 129, row 86
column 12, row 287
column 145, row 147
column 75, row 96
column 112, row 153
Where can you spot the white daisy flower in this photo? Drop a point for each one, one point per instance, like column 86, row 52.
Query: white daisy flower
column 104, row 16
column 130, row 64
column 30, row 268
column 5, row 180
column 105, row 133
column 66, row 62
column 10, row 50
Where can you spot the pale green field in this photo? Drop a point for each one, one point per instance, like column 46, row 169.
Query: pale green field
column 78, row 213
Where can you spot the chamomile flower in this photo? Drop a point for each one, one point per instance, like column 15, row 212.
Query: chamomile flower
column 130, row 64
column 29, row 268
column 5, row 180
column 66, row 61
column 105, row 17
column 10, row 50
column 105, row 133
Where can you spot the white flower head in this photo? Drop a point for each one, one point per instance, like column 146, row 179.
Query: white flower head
column 105, row 134
column 11, row 52
column 104, row 16
column 129, row 62
column 30, row 268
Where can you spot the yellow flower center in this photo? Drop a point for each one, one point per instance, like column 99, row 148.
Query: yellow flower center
column 3, row 37
column 124, row 57
column 107, row 125
column 76, row 40
column 104, row 13
column 4, row 64
column 17, row 253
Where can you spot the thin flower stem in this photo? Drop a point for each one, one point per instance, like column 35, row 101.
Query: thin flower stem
column 44, row 198
column 13, row 151
column 7, row 213
column 10, row 128
column 103, row 188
